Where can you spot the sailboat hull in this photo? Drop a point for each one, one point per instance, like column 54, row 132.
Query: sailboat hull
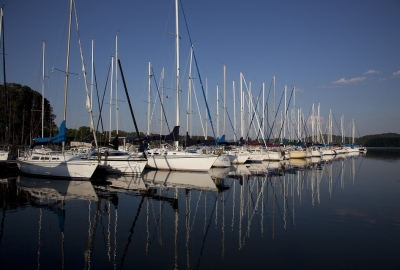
column 238, row 157
column 197, row 163
column 128, row 167
column 222, row 161
column 65, row 169
column 297, row 154
column 4, row 155
column 273, row 155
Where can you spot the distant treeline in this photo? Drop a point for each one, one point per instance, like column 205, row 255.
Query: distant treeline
column 380, row 140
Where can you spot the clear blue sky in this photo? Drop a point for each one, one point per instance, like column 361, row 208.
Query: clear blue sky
column 343, row 55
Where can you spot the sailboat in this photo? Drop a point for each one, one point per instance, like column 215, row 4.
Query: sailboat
column 114, row 160
column 173, row 159
column 48, row 163
column 4, row 154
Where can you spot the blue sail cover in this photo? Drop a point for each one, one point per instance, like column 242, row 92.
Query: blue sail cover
column 221, row 140
column 59, row 138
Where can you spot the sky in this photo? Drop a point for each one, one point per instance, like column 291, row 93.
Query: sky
column 341, row 55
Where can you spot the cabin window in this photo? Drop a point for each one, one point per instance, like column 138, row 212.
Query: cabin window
column 35, row 158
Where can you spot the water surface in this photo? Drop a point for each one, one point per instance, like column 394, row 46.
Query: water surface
column 334, row 213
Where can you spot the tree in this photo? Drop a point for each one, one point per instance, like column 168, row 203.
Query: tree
column 24, row 118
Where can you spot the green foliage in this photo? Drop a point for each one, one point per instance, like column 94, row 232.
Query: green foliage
column 378, row 139
column 382, row 140
column 24, row 117
column 373, row 139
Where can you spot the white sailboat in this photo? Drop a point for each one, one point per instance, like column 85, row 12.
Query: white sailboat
column 4, row 154
column 297, row 152
column 114, row 160
column 119, row 162
column 237, row 155
column 223, row 161
column 42, row 162
column 273, row 154
column 173, row 159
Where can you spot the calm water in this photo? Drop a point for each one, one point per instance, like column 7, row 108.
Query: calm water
column 320, row 214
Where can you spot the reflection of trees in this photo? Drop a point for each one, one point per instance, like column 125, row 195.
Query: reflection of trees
column 383, row 153
column 384, row 142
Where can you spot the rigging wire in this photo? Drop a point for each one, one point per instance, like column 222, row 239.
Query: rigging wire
column 276, row 113
column 286, row 113
column 159, row 96
column 198, row 72
column 102, row 101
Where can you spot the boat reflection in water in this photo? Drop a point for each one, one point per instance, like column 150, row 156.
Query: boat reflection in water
column 179, row 179
column 126, row 183
column 188, row 220
column 51, row 196
column 59, row 190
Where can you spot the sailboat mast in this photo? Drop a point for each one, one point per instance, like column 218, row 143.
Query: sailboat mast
column 263, row 109
column 217, row 113
column 111, row 92
column 241, row 106
column 299, row 122
column 292, row 134
column 330, row 126
column 67, row 67
column 43, row 50
column 249, row 104
column 176, row 143
column 148, row 100
column 224, row 111
column 341, row 127
column 92, row 76
column 7, row 137
column 274, row 108
column 162, row 100
column 189, row 98
column 205, row 137
column 88, row 102
column 284, row 118
column 234, row 112
column 116, row 82
column 312, row 124
column 319, row 126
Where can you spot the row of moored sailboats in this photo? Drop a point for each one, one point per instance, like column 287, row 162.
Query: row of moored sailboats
column 46, row 162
